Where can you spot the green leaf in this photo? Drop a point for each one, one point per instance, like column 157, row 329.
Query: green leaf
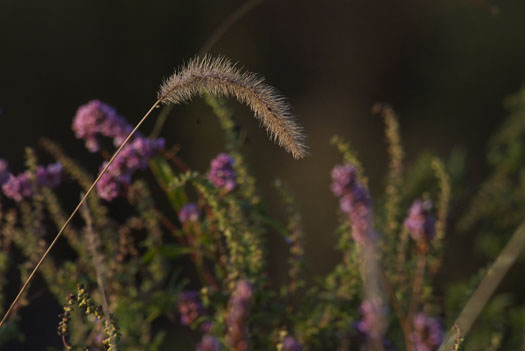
column 165, row 175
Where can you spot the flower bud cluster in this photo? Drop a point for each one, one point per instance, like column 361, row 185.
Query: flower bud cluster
column 189, row 213
column 427, row 334
column 289, row 343
column 420, row 222
column 221, row 173
column 190, row 307
column 21, row 186
column 354, row 199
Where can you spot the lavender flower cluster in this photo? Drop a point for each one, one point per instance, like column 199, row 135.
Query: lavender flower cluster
column 21, row 186
column 372, row 314
column 420, row 222
column 354, row 199
column 291, row 344
column 238, row 311
column 427, row 334
column 189, row 213
column 208, row 343
column 221, row 173
column 97, row 118
column 190, row 307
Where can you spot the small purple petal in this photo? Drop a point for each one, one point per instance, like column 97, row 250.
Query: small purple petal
column 189, row 213
column 221, row 173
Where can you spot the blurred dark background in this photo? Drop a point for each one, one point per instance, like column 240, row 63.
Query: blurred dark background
column 445, row 66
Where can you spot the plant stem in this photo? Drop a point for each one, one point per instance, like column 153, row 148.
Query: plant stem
column 416, row 288
column 405, row 325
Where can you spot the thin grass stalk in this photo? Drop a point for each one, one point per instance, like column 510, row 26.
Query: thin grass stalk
column 93, row 246
column 488, row 285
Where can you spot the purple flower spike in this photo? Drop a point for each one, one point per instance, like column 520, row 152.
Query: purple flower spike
column 238, row 311
column 427, row 334
column 208, row 343
column 343, row 179
column 4, row 171
column 291, row 344
column 354, row 200
column 190, row 307
column 18, row 187
column 373, row 314
column 221, row 173
column 420, row 222
column 189, row 213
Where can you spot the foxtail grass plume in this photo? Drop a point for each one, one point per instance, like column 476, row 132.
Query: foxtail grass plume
column 219, row 77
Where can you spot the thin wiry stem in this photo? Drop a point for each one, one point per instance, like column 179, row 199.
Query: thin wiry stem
column 93, row 245
column 219, row 77
column 417, row 285
column 91, row 188
column 488, row 285
column 208, row 44
column 227, row 23
column 405, row 325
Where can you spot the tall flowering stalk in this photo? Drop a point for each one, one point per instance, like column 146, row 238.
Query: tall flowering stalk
column 237, row 315
column 353, row 200
column 420, row 224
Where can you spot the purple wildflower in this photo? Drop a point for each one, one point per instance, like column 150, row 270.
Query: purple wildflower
column 49, row 176
column 238, row 311
column 190, row 307
column 420, row 222
column 371, row 325
column 111, row 183
column 18, row 187
column 95, row 118
column 291, row 344
column 343, row 179
column 4, row 171
column 221, row 173
column 427, row 334
column 134, row 156
column 208, row 343
column 354, row 199
column 189, row 213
